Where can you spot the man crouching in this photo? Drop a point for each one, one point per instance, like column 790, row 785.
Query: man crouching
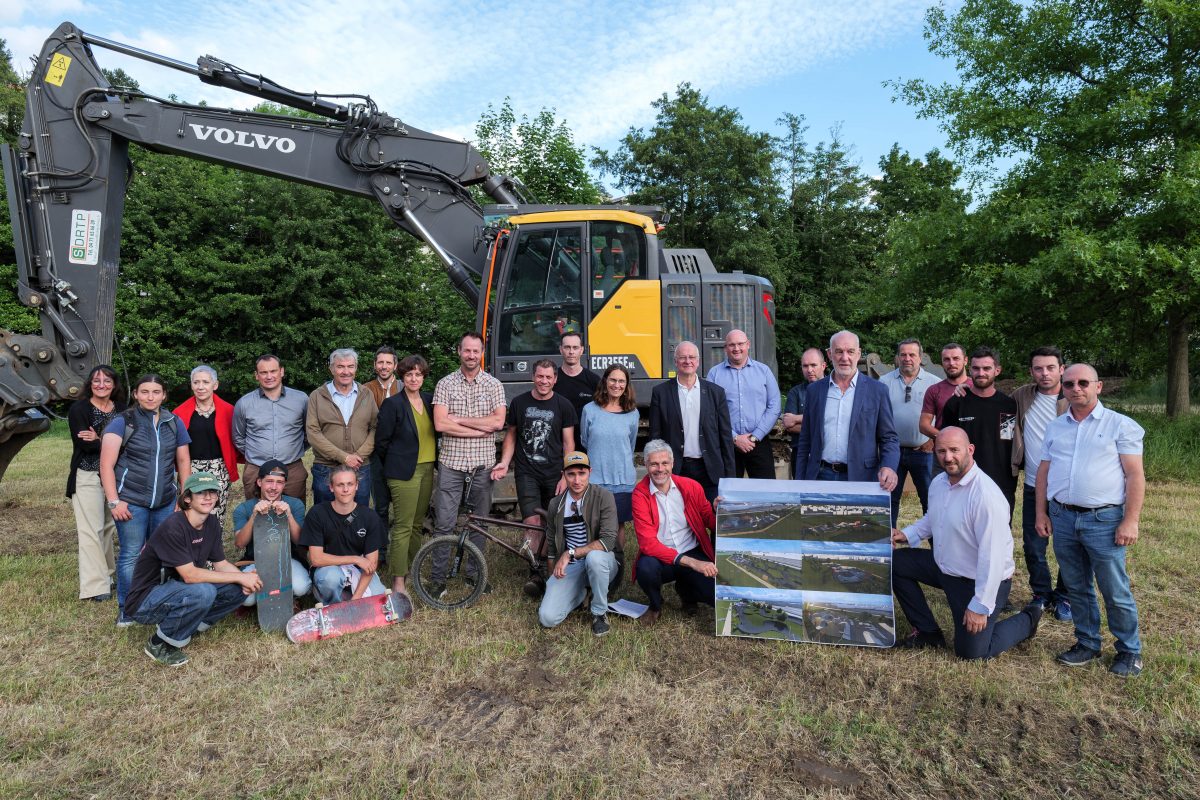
column 181, row 581
column 580, row 536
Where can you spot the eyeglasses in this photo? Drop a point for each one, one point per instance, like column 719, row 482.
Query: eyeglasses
column 1082, row 383
column 907, row 393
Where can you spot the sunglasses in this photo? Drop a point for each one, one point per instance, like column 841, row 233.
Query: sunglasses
column 907, row 393
column 1082, row 383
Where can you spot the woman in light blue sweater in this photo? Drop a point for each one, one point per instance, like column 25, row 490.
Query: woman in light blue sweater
column 608, row 429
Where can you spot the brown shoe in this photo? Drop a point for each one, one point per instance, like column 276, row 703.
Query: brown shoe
column 650, row 617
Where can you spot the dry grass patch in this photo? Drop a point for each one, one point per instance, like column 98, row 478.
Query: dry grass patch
column 482, row 704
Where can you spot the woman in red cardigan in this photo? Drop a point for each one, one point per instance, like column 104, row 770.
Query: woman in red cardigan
column 209, row 421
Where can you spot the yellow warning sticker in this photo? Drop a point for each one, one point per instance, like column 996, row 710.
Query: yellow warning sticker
column 57, row 72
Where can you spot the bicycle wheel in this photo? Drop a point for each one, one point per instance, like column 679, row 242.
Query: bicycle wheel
column 464, row 573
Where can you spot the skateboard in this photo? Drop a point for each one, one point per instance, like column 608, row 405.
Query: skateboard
column 273, row 562
column 326, row 622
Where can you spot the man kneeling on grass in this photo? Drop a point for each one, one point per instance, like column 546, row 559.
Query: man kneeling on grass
column 343, row 538
column 674, row 523
column 181, row 581
column 580, row 537
column 972, row 559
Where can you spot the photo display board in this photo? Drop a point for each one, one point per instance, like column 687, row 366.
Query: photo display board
column 805, row 561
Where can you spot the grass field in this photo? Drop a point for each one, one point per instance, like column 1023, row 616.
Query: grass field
column 482, row 703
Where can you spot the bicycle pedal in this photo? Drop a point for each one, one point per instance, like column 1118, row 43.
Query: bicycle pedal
column 528, row 553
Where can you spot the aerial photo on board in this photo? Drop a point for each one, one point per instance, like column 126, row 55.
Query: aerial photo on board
column 803, row 616
column 794, row 564
column 805, row 510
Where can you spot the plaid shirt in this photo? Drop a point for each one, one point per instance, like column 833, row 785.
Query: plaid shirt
column 472, row 399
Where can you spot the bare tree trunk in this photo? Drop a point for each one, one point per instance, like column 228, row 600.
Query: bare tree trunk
column 1179, row 329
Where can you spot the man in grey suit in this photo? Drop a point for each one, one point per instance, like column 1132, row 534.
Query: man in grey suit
column 690, row 414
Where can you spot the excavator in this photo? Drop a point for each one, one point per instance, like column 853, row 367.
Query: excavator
column 530, row 271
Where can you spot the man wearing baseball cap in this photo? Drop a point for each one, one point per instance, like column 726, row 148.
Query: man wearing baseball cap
column 271, row 482
column 581, row 534
column 181, row 581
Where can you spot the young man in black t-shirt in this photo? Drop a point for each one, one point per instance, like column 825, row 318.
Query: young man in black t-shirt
column 343, row 540
column 989, row 417
column 181, row 581
column 575, row 382
column 541, row 429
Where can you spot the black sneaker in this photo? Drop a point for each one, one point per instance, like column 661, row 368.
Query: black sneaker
column 919, row 640
column 1126, row 665
column 436, row 590
column 1078, row 656
column 1035, row 611
column 600, row 624
column 535, row 587
column 165, row 653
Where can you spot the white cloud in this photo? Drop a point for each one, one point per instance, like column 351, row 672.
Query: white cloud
column 437, row 64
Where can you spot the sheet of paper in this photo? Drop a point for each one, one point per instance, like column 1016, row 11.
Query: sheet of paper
column 627, row 608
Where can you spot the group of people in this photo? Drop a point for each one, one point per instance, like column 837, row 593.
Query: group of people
column 385, row 451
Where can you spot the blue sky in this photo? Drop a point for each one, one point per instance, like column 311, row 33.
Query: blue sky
column 437, row 64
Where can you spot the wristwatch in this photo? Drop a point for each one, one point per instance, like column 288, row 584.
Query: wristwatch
column 753, row 439
column 571, row 552
column 113, row 504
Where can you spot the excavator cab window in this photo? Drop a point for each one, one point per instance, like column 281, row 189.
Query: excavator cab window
column 544, row 294
column 616, row 254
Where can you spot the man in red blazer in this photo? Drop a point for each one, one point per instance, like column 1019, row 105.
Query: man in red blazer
column 674, row 523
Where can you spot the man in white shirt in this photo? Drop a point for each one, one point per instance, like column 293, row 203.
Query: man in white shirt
column 972, row 561
column 1038, row 403
column 1090, row 489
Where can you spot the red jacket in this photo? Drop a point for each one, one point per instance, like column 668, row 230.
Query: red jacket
column 224, row 426
column 696, row 508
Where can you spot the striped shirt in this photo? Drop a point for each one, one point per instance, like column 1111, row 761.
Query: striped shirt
column 473, row 399
column 574, row 527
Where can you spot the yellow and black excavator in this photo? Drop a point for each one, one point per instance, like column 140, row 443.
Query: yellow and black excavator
column 532, row 272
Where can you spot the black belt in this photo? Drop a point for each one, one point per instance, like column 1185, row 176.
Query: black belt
column 1084, row 509
column 700, row 460
column 835, row 467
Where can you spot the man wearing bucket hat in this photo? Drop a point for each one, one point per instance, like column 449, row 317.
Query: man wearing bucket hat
column 580, row 537
column 182, row 582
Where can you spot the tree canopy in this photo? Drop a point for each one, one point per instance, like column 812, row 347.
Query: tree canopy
column 1099, row 104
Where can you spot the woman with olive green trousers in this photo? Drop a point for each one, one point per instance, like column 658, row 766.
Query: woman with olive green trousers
column 407, row 447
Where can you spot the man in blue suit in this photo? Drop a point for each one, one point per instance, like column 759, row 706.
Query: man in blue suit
column 847, row 433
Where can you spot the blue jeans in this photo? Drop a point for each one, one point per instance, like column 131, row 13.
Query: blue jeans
column 328, row 583
column 1085, row 548
column 132, row 535
column 1035, row 552
column 181, row 609
column 301, row 582
column 320, row 484
column 564, row 594
column 920, row 466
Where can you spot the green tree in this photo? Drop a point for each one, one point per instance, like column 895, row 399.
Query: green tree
column 541, row 153
column 1099, row 103
column 13, row 315
column 709, row 170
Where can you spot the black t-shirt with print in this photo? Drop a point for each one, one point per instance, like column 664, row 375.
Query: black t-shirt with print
column 989, row 423
column 358, row 533
column 539, row 425
column 172, row 544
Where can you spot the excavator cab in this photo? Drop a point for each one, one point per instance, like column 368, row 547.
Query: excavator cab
column 600, row 271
